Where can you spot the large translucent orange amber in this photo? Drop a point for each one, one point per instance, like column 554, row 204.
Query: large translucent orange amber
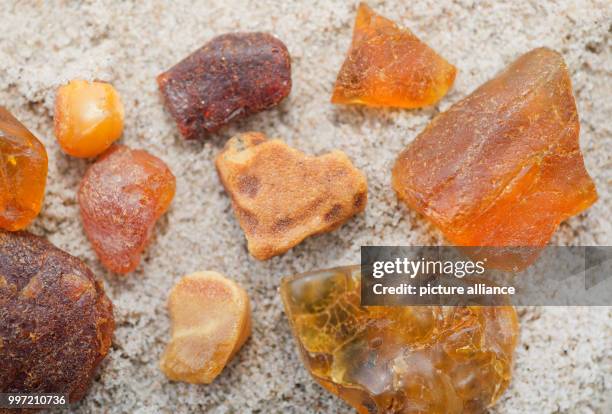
column 390, row 66
column 408, row 360
column 23, row 173
column 503, row 166
column 121, row 197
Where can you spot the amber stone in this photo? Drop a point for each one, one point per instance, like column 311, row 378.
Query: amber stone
column 23, row 173
column 88, row 117
column 281, row 195
column 56, row 322
column 121, row 197
column 232, row 76
column 503, row 166
column 389, row 66
column 211, row 320
column 420, row 359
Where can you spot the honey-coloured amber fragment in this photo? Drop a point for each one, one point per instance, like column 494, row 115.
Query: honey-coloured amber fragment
column 211, row 320
column 121, row 197
column 56, row 322
column 399, row 360
column 389, row 66
column 281, row 195
column 23, row 173
column 503, row 166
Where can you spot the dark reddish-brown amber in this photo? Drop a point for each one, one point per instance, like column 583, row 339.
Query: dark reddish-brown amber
column 232, row 76
column 56, row 323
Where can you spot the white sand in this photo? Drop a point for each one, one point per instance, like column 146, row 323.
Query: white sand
column 564, row 362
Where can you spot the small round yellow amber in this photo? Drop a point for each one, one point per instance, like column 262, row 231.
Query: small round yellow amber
column 88, row 117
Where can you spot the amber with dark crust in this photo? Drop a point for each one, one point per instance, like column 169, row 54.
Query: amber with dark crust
column 281, row 195
column 232, row 76
column 56, row 322
column 121, row 197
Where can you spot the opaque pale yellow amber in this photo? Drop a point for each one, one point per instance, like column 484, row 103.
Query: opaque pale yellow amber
column 211, row 320
column 281, row 195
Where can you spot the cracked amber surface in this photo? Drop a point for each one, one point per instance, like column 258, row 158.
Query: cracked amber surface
column 56, row 322
column 389, row 66
column 408, row 360
column 23, row 173
column 503, row 166
column 121, row 197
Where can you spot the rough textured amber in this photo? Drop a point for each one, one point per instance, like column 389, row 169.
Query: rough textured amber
column 56, row 323
column 503, row 166
column 23, row 173
column 389, row 66
column 121, row 197
column 232, row 76
column 408, row 360
column 211, row 320
column 88, row 117
column 281, row 195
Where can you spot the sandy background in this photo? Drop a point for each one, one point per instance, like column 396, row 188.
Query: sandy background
column 564, row 361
